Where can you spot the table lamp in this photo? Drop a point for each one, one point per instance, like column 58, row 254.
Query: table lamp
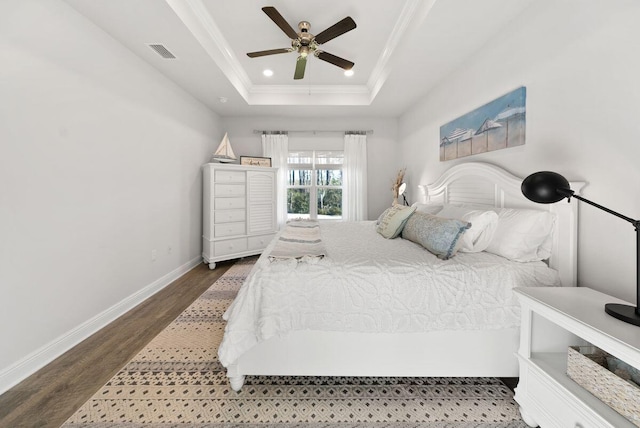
column 546, row 187
column 401, row 190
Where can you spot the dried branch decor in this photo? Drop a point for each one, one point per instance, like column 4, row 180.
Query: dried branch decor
column 396, row 184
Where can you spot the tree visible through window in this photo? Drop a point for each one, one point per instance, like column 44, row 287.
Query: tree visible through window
column 315, row 176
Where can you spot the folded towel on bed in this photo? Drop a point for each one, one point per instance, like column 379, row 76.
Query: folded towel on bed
column 299, row 240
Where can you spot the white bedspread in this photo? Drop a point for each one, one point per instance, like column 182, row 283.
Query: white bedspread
column 371, row 284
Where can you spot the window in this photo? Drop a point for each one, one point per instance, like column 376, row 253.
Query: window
column 316, row 176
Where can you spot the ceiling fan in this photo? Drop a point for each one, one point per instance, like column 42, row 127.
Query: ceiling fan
column 305, row 43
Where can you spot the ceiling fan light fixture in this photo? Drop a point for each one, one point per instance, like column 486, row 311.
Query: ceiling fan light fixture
column 304, row 43
column 348, row 73
column 267, row 72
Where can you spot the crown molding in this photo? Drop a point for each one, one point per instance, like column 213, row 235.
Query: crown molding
column 309, row 90
column 348, row 95
column 198, row 20
column 411, row 16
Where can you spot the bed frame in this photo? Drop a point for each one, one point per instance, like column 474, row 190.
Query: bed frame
column 436, row 353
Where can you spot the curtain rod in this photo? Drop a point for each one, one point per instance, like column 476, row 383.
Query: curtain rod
column 311, row 131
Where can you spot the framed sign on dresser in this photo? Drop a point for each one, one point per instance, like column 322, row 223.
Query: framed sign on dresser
column 239, row 211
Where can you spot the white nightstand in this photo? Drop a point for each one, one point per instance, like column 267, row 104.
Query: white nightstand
column 552, row 319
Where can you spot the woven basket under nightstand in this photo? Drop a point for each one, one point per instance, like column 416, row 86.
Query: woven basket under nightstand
column 619, row 394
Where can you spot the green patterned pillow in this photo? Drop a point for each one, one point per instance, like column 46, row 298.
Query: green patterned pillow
column 393, row 220
column 441, row 236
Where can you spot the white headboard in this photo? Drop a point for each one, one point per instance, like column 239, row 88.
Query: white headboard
column 484, row 184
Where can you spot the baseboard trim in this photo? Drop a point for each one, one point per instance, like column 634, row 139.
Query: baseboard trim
column 33, row 362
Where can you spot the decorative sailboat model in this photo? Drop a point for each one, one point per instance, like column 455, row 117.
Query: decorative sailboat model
column 224, row 153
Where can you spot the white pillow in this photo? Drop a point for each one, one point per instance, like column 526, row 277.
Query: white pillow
column 427, row 208
column 483, row 226
column 523, row 235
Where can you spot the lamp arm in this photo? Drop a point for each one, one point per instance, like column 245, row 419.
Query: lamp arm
column 635, row 223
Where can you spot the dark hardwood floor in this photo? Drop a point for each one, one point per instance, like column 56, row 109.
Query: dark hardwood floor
column 48, row 397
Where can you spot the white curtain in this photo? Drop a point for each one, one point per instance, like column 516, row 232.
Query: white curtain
column 276, row 147
column 354, row 196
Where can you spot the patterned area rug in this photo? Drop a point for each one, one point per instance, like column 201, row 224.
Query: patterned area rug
column 177, row 379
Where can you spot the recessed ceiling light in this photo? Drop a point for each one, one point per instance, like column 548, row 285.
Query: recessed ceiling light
column 268, row 72
column 348, row 73
column 223, row 99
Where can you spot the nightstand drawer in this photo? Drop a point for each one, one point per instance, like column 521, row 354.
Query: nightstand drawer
column 551, row 398
column 229, row 203
column 231, row 246
column 223, row 190
column 226, row 176
column 229, row 229
column 228, row 216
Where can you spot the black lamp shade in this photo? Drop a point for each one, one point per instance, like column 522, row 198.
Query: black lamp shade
column 546, row 187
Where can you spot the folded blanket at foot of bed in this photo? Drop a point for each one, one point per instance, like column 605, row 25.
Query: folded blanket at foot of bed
column 300, row 240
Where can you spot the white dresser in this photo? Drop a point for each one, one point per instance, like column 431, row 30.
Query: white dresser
column 552, row 319
column 239, row 212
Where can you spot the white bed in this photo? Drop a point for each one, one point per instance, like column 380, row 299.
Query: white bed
column 377, row 340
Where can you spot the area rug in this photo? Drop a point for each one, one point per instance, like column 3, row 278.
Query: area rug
column 177, row 379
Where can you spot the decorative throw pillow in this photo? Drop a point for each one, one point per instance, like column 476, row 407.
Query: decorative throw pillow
column 523, row 235
column 384, row 213
column 393, row 220
column 483, row 226
column 441, row 236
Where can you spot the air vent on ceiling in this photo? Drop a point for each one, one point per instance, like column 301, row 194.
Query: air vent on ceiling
column 162, row 51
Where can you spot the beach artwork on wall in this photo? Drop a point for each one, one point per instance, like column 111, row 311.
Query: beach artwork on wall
column 497, row 125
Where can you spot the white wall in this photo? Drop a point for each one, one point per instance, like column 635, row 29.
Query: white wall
column 382, row 145
column 577, row 61
column 100, row 161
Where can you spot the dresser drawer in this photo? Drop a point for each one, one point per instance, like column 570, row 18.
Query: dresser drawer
column 226, row 190
column 226, row 176
column 231, row 246
column 228, row 216
column 229, row 229
column 229, row 203
column 259, row 242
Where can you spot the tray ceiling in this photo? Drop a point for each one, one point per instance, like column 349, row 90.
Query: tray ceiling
column 400, row 48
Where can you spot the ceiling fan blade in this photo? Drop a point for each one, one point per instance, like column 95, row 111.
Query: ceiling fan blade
column 301, row 64
column 275, row 16
column 269, row 52
column 347, row 24
column 335, row 60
